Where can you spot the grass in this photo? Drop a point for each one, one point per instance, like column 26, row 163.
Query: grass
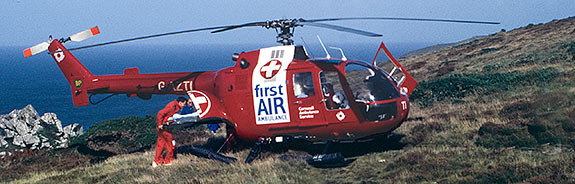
column 431, row 163
column 135, row 168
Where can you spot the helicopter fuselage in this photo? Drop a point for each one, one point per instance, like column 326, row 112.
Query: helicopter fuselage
column 275, row 93
column 280, row 96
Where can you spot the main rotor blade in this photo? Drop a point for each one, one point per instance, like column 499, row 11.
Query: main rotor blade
column 400, row 18
column 341, row 28
column 301, row 21
column 239, row 26
column 146, row 37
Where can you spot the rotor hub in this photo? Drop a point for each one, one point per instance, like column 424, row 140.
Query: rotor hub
column 284, row 28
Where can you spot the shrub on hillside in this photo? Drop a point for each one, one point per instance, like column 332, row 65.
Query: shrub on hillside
column 505, row 173
column 455, row 87
column 544, row 120
column 569, row 49
column 546, row 172
column 493, row 135
column 118, row 136
column 421, row 132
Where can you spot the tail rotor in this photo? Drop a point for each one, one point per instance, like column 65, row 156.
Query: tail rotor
column 78, row 37
column 41, row 47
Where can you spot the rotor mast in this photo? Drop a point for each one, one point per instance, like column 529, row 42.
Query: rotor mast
column 284, row 28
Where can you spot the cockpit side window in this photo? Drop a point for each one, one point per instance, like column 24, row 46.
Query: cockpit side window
column 334, row 97
column 303, row 85
column 368, row 85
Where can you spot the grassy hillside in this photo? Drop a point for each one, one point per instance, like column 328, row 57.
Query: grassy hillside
column 499, row 109
column 502, row 106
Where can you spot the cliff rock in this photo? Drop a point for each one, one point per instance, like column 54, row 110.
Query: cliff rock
column 25, row 129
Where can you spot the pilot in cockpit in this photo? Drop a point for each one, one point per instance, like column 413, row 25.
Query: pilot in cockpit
column 340, row 101
column 303, row 85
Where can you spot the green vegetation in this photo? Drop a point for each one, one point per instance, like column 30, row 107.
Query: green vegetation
column 457, row 87
column 569, row 49
column 506, row 135
column 122, row 135
column 563, row 52
column 545, row 120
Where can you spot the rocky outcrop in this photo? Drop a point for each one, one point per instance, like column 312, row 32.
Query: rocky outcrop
column 25, row 129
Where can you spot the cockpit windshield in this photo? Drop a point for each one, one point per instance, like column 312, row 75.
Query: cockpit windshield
column 368, row 85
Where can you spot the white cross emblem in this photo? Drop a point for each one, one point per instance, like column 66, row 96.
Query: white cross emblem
column 59, row 55
column 270, row 68
column 199, row 98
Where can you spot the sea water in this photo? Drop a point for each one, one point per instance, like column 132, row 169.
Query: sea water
column 37, row 80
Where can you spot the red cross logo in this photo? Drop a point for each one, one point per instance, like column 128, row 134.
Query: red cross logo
column 201, row 101
column 270, row 69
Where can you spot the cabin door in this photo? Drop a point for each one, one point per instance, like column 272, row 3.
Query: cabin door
column 306, row 101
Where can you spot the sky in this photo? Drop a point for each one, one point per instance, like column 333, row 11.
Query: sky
column 29, row 22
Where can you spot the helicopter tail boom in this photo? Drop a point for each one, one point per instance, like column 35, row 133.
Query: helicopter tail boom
column 77, row 75
column 83, row 83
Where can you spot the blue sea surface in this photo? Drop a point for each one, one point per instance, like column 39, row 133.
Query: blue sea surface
column 37, row 80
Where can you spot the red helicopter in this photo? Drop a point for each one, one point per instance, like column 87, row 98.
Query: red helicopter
column 271, row 95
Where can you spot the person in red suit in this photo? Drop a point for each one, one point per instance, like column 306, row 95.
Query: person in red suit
column 165, row 138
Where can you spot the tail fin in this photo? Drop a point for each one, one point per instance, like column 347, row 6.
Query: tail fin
column 77, row 75
column 406, row 83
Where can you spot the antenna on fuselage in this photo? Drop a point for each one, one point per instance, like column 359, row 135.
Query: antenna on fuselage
column 305, row 44
column 343, row 58
column 324, row 49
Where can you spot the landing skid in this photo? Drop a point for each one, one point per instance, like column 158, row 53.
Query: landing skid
column 207, row 153
column 326, row 160
column 255, row 151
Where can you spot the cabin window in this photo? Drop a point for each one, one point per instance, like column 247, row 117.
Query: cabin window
column 333, row 95
column 303, row 85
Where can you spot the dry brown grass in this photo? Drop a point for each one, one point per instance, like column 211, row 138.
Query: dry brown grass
column 136, row 168
column 505, row 49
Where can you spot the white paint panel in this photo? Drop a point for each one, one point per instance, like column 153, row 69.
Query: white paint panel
column 269, row 86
